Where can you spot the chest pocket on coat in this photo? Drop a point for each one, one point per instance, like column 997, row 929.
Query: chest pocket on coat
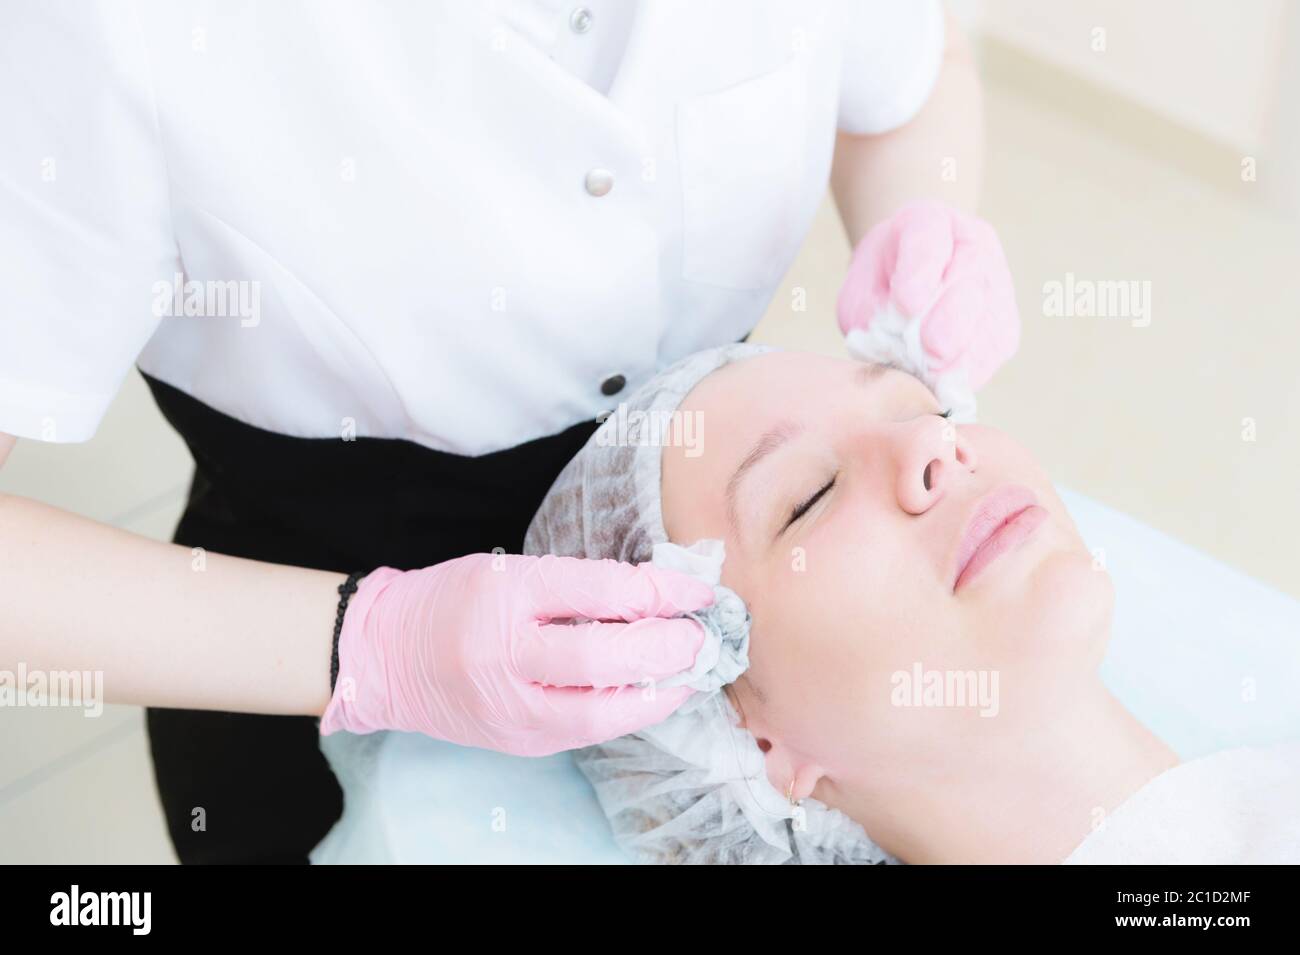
column 742, row 152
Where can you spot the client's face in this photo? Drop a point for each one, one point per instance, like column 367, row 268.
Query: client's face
column 849, row 508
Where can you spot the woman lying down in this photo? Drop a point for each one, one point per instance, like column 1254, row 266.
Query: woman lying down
column 913, row 673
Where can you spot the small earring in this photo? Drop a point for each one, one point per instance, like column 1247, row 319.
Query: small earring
column 789, row 794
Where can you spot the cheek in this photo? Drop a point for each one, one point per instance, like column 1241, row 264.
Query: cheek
column 1002, row 456
column 827, row 640
column 876, row 586
column 1060, row 624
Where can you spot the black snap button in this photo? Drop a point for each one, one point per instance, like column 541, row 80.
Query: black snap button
column 612, row 385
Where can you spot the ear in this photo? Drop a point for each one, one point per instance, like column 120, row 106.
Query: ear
column 783, row 765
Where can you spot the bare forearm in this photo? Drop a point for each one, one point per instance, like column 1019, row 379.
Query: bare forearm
column 939, row 154
column 166, row 627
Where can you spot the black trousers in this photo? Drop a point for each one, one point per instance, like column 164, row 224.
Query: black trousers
column 239, row 788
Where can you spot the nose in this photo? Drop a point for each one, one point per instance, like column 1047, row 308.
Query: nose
column 932, row 453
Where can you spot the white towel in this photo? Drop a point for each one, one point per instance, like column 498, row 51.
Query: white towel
column 1239, row 806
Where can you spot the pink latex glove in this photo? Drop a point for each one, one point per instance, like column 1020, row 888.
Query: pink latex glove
column 932, row 261
column 465, row 651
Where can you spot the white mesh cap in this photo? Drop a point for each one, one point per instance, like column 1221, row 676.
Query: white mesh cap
column 692, row 789
column 605, row 503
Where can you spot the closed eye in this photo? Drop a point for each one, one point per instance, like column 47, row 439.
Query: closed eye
column 801, row 509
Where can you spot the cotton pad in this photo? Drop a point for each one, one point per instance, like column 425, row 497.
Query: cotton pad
column 895, row 340
column 725, row 653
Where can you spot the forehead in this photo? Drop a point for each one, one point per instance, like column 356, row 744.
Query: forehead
column 736, row 404
column 778, row 381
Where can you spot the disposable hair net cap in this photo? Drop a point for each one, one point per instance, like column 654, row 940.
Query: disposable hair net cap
column 692, row 789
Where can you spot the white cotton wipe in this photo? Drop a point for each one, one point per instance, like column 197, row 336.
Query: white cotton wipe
column 895, row 340
column 702, row 560
column 725, row 653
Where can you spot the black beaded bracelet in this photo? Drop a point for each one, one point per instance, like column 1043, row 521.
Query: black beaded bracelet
column 346, row 590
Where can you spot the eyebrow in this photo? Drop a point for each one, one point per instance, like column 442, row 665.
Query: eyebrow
column 777, row 436
column 872, row 370
column 766, row 445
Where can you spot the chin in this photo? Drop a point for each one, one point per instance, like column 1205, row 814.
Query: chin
column 1071, row 601
column 1057, row 603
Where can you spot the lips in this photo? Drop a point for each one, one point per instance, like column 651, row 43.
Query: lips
column 1001, row 520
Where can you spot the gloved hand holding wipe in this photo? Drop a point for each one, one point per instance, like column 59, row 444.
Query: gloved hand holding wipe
column 929, row 290
column 479, row 651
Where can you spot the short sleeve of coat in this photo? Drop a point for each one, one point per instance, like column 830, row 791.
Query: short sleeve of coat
column 84, row 223
column 892, row 54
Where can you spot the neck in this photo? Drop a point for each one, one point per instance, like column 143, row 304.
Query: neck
column 1028, row 799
